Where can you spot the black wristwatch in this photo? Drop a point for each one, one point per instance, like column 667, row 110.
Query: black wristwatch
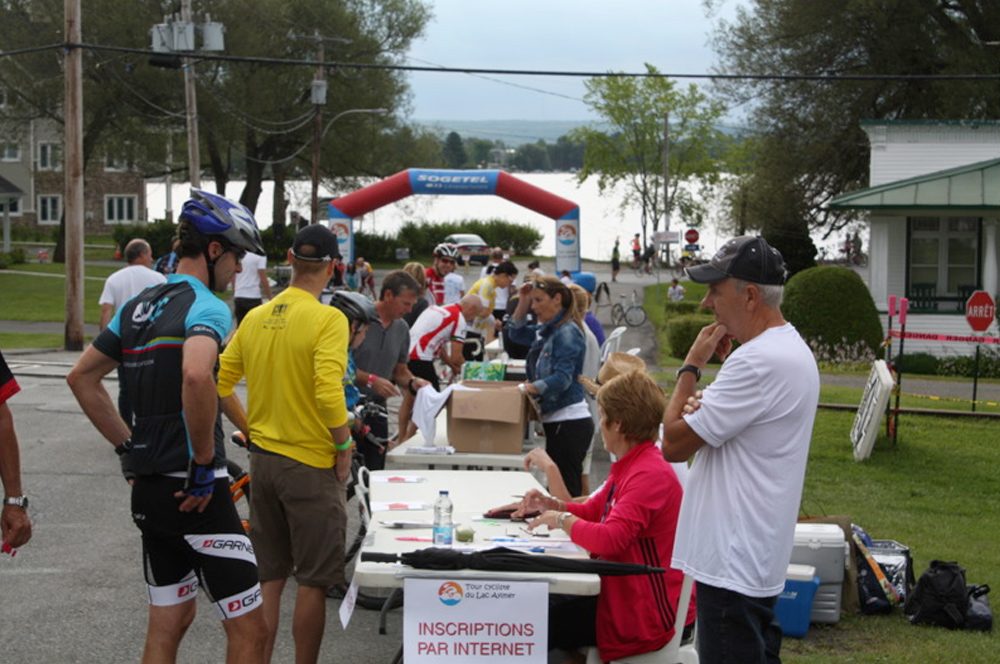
column 19, row 501
column 693, row 369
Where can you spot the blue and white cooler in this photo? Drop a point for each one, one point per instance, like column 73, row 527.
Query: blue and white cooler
column 795, row 604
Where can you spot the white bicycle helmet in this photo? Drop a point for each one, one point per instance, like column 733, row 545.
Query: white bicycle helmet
column 446, row 250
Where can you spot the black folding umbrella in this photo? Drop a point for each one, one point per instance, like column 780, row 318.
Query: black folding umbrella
column 501, row 559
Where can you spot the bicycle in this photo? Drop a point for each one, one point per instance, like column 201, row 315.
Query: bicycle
column 632, row 315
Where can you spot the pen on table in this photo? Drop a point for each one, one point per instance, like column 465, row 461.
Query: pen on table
column 414, row 539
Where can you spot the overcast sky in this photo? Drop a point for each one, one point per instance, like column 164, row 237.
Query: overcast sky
column 561, row 35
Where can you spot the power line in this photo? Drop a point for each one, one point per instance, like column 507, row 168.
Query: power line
column 831, row 78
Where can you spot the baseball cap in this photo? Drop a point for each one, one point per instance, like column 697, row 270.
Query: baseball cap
column 322, row 243
column 749, row 258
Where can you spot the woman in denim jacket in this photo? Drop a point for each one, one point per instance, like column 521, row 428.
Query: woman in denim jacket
column 554, row 362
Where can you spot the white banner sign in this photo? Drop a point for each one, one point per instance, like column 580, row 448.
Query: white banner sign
column 871, row 409
column 471, row 620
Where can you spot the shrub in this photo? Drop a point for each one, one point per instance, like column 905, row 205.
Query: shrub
column 682, row 308
column 380, row 247
column 159, row 235
column 833, row 310
column 422, row 238
column 683, row 330
column 924, row 364
column 17, row 256
column 276, row 245
column 4, row 261
column 965, row 365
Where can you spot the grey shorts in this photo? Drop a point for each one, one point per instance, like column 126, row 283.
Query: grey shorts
column 298, row 520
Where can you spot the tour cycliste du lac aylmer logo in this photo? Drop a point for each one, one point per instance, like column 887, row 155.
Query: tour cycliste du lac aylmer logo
column 566, row 234
column 450, row 593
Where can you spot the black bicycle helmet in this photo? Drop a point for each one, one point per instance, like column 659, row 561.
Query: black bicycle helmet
column 446, row 250
column 355, row 306
column 215, row 215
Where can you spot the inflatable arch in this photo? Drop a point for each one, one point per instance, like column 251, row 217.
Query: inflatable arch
column 413, row 181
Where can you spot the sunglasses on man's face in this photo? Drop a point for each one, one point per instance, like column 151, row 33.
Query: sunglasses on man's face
column 239, row 253
column 448, row 261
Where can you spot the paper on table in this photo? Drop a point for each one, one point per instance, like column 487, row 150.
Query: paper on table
column 393, row 479
column 399, row 505
column 444, row 450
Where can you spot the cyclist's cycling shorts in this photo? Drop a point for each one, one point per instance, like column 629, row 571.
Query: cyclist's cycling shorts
column 183, row 551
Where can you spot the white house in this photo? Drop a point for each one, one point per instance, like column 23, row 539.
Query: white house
column 934, row 206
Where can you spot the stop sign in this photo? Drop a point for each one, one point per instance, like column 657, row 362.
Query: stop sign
column 980, row 310
column 691, row 235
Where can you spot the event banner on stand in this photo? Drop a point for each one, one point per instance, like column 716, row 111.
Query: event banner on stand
column 464, row 620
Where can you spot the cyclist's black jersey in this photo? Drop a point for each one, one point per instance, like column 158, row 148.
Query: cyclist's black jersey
column 146, row 337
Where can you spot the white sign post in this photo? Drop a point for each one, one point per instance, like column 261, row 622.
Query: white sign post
column 873, row 403
column 471, row 620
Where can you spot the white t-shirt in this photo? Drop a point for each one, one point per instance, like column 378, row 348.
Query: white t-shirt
column 737, row 523
column 128, row 282
column 454, row 286
column 248, row 279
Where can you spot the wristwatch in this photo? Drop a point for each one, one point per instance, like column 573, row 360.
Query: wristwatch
column 19, row 501
column 693, row 369
column 562, row 519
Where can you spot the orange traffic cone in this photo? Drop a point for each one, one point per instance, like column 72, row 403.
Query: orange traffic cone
column 118, row 253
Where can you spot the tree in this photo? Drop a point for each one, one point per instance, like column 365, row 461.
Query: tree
column 532, row 157
column 808, row 145
column 632, row 150
column 453, row 151
column 255, row 118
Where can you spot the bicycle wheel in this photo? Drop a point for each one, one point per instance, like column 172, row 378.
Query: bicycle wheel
column 358, row 514
column 635, row 315
column 617, row 314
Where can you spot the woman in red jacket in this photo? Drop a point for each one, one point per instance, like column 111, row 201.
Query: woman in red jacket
column 631, row 518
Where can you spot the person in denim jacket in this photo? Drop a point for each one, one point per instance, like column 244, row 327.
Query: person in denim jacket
column 553, row 364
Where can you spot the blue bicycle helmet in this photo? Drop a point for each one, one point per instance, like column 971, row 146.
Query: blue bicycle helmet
column 355, row 306
column 214, row 215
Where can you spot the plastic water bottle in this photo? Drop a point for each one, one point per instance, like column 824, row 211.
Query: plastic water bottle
column 442, row 520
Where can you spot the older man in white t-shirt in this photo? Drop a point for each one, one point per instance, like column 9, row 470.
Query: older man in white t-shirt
column 751, row 434
column 121, row 287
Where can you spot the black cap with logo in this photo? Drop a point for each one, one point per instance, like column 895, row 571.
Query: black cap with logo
column 321, row 241
column 749, row 258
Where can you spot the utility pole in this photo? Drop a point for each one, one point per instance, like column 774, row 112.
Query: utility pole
column 319, row 99
column 73, row 171
column 191, row 99
column 666, row 171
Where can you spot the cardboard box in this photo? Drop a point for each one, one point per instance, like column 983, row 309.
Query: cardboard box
column 823, row 546
column 794, row 606
column 488, row 420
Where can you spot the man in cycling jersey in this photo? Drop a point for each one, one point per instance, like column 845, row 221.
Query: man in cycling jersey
column 293, row 352
column 445, row 259
column 437, row 325
column 167, row 339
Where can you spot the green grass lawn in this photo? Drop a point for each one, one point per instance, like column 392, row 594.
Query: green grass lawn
column 936, row 491
column 33, row 297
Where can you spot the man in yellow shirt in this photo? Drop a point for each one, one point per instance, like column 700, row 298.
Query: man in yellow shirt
column 293, row 352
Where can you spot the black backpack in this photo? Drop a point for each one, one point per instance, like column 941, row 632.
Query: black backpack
column 940, row 597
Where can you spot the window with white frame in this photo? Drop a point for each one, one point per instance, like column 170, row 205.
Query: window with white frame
column 944, row 260
column 49, row 209
column 10, row 151
column 119, row 209
column 49, row 156
column 14, row 205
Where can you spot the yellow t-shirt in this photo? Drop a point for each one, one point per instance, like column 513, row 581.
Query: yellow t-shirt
column 486, row 287
column 293, row 352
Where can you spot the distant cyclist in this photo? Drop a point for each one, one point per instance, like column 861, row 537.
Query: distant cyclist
column 445, row 259
column 167, row 338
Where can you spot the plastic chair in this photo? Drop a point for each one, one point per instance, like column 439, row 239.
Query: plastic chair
column 634, row 351
column 612, row 343
column 673, row 652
